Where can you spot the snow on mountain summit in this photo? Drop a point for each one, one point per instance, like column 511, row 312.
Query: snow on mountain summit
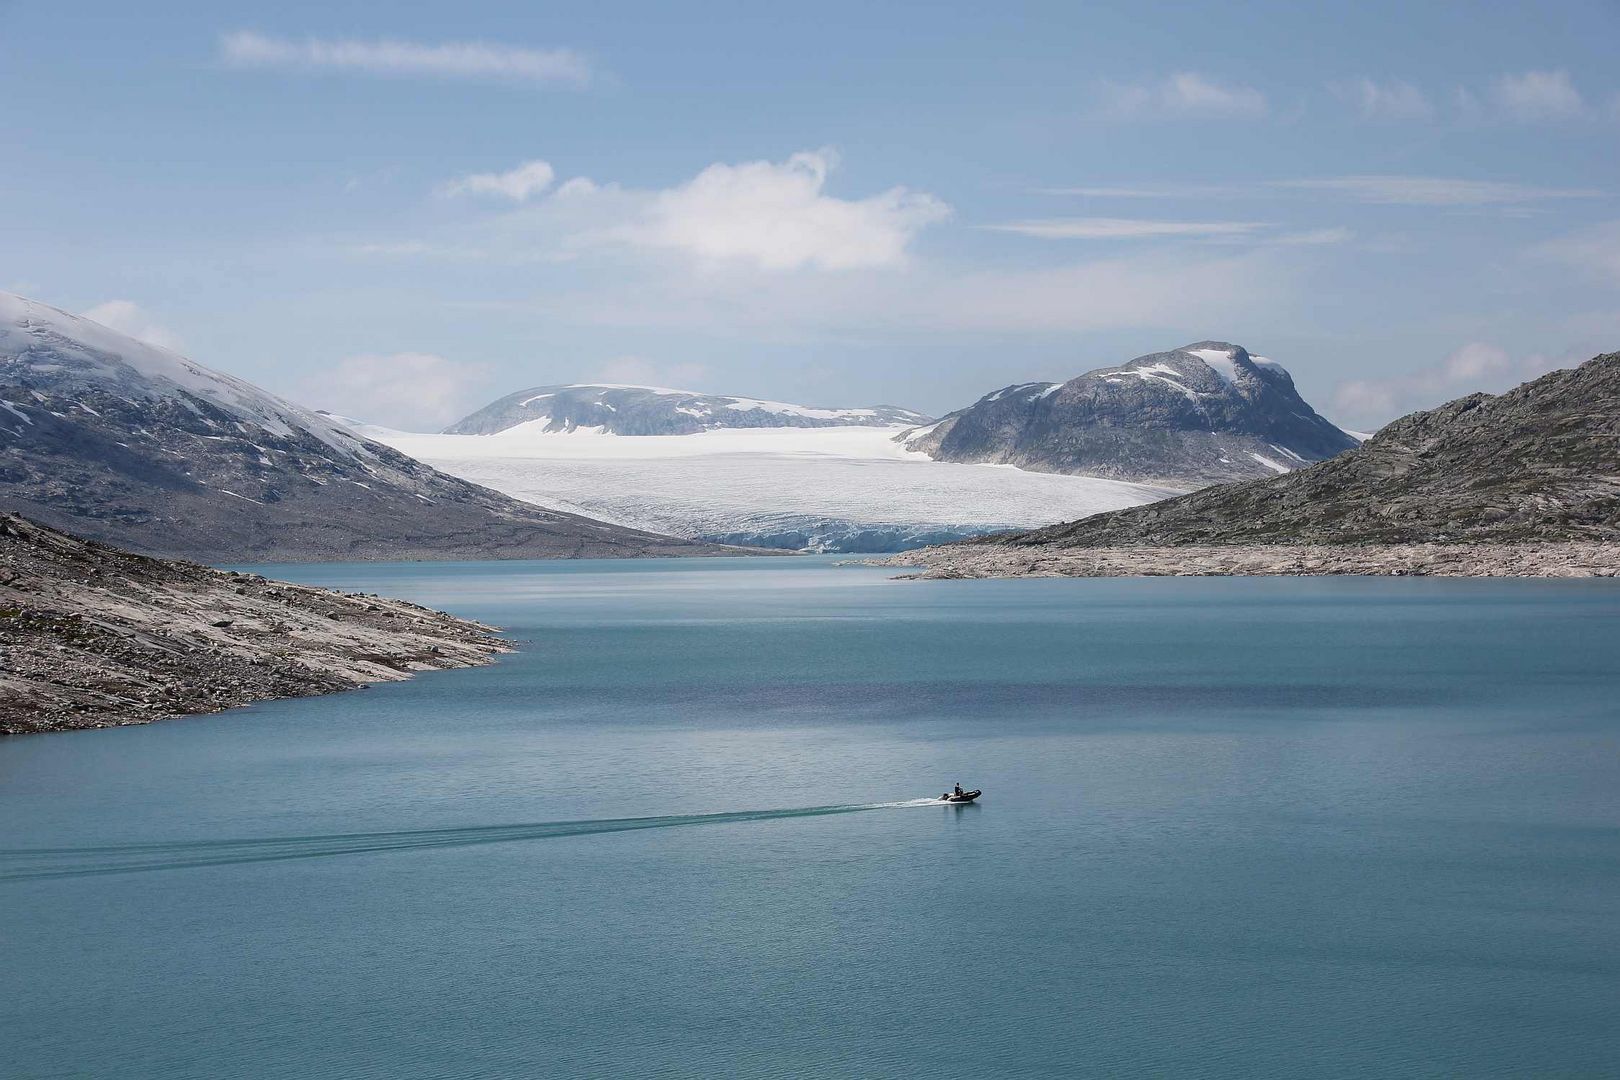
column 619, row 409
column 118, row 440
column 72, row 352
column 1205, row 413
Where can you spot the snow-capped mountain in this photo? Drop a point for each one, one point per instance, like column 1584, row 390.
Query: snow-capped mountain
column 1206, row 413
column 114, row 439
column 653, row 410
column 846, row 488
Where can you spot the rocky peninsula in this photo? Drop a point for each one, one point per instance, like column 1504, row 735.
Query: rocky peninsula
column 93, row 637
column 1563, row 560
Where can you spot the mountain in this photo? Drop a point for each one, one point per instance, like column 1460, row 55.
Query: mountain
column 651, row 410
column 846, row 489
column 1207, row 413
column 114, row 439
column 1539, row 463
column 91, row 636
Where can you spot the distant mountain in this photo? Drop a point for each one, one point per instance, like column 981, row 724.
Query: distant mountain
column 116, row 440
column 651, row 410
column 1538, row 463
column 1207, row 413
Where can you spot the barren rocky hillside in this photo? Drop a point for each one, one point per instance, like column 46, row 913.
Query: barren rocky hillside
column 91, row 636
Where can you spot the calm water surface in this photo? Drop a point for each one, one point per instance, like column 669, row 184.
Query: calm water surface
column 1245, row 828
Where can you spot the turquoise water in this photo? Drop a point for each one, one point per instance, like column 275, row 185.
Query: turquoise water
column 1244, row 828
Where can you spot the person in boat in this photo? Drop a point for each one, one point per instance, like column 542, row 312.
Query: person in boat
column 958, row 792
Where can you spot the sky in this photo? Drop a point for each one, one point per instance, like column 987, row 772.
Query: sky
column 400, row 212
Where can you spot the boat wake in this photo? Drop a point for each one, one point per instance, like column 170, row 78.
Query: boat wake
column 24, row 864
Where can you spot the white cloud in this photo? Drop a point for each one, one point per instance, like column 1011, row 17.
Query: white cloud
column 519, row 184
column 1432, row 190
column 775, row 216
column 1595, row 249
column 1184, row 94
column 1095, row 228
column 778, row 216
column 1537, row 95
column 448, row 60
column 1315, row 237
column 127, row 317
column 1392, row 100
column 411, row 391
column 1474, row 368
column 636, row 371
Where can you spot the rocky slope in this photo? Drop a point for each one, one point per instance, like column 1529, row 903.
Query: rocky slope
column 1525, row 483
column 1206, row 413
column 91, row 636
column 1538, row 463
column 111, row 438
column 650, row 410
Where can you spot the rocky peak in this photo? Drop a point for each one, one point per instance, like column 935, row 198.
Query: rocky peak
column 1204, row 413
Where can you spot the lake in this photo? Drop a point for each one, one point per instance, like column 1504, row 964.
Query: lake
column 1231, row 828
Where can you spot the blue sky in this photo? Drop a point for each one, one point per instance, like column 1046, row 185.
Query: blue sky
column 402, row 211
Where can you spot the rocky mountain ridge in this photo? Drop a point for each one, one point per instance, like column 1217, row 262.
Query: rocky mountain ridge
column 1537, row 464
column 651, row 410
column 112, row 438
column 1202, row 414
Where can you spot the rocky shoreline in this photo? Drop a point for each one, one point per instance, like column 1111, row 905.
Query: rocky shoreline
column 1570, row 559
column 94, row 637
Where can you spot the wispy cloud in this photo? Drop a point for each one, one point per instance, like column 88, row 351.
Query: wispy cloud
column 1392, row 190
column 1432, row 190
column 474, row 60
column 1595, row 249
column 519, row 184
column 1534, row 96
column 1315, row 237
column 1476, row 367
column 128, row 317
column 639, row 371
column 1099, row 228
column 1389, row 100
column 1183, row 94
column 412, row 391
column 1142, row 191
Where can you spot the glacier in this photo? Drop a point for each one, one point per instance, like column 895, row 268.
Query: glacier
column 822, row 489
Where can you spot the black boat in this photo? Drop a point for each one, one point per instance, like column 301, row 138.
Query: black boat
column 964, row 797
